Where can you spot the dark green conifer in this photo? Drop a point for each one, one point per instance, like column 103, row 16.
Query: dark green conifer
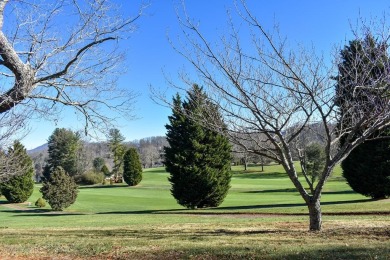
column 363, row 62
column 21, row 185
column 63, row 146
column 198, row 159
column 132, row 168
column 59, row 190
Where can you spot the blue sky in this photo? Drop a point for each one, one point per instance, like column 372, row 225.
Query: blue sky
column 324, row 24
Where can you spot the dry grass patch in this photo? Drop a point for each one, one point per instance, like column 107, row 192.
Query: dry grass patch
column 341, row 239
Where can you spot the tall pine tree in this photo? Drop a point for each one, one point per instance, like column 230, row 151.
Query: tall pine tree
column 63, row 147
column 115, row 139
column 20, row 186
column 367, row 168
column 198, row 159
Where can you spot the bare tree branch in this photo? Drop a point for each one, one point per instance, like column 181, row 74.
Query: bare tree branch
column 62, row 53
column 280, row 96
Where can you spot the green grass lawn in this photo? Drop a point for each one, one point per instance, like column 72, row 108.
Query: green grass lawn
column 262, row 217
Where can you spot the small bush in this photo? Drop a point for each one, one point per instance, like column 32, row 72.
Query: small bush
column 40, row 203
column 90, row 178
column 59, row 190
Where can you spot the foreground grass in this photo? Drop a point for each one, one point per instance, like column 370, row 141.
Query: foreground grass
column 144, row 222
column 219, row 237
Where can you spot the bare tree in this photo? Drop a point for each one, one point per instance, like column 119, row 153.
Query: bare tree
column 284, row 95
column 149, row 155
column 62, row 53
column 151, row 150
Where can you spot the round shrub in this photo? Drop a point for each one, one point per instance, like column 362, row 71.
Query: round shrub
column 91, row 178
column 40, row 203
column 132, row 169
column 59, row 190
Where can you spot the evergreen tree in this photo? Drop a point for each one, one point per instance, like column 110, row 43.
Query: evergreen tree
column 198, row 159
column 314, row 161
column 132, row 169
column 118, row 150
column 366, row 168
column 63, row 147
column 105, row 170
column 21, row 185
column 98, row 163
column 59, row 190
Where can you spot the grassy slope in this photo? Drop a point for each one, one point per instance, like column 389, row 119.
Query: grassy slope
column 146, row 222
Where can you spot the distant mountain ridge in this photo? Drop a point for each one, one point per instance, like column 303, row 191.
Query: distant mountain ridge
column 41, row 148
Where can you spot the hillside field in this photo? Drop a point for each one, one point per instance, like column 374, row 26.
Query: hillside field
column 263, row 217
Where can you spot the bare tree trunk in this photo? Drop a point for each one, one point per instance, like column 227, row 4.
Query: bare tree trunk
column 245, row 163
column 315, row 215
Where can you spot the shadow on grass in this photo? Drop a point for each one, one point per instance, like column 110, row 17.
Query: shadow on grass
column 270, row 206
column 154, row 234
column 259, row 175
column 48, row 213
column 271, row 191
column 340, row 252
column 28, row 212
column 136, row 212
column 288, row 252
column 295, row 190
column 103, row 186
column 198, row 242
column 230, row 210
column 340, row 192
column 13, row 208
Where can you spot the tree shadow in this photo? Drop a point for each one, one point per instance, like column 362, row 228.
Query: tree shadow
column 29, row 212
column 340, row 252
column 227, row 210
column 288, row 205
column 259, row 175
column 340, row 192
column 46, row 214
column 136, row 212
column 215, row 211
column 295, row 190
column 271, row 191
column 103, row 186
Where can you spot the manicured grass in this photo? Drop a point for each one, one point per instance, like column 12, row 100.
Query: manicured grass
column 262, row 217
